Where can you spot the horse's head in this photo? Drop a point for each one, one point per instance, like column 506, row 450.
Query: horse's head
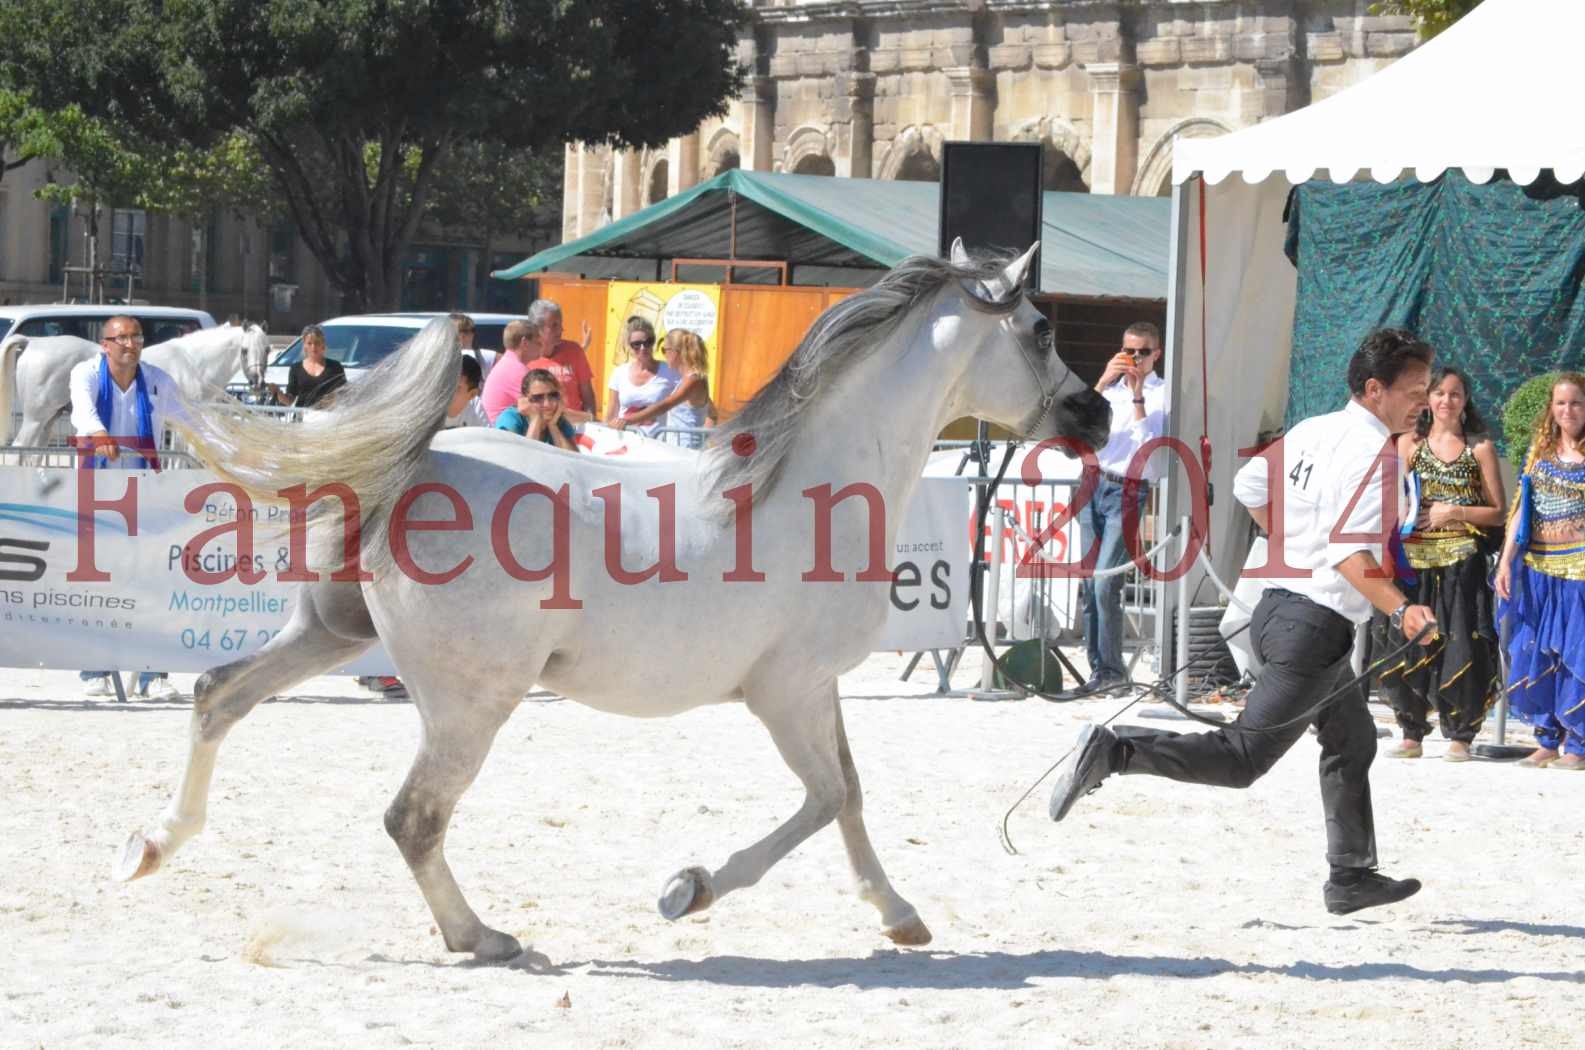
column 1016, row 379
column 255, row 355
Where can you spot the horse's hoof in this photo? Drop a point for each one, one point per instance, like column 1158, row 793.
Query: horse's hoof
column 910, row 933
column 495, row 946
column 138, row 857
column 687, row 892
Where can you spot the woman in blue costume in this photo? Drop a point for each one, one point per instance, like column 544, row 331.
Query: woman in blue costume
column 1541, row 598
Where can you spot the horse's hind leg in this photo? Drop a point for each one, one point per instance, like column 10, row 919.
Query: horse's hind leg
column 899, row 920
column 309, row 644
column 459, row 728
column 807, row 729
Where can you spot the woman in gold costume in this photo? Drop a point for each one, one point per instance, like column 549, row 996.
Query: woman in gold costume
column 1541, row 596
column 1452, row 467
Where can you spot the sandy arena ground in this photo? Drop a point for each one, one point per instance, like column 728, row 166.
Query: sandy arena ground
column 1158, row 915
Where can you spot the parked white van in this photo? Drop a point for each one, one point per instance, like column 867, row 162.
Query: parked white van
column 159, row 322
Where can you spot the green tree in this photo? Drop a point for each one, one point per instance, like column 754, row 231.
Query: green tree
column 354, row 104
column 1430, row 16
column 484, row 190
column 91, row 163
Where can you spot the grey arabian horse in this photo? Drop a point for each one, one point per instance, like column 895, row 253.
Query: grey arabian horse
column 771, row 546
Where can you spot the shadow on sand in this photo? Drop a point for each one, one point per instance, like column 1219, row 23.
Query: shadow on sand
column 1001, row 970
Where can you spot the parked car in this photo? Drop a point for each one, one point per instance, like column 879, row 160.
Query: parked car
column 360, row 341
column 159, row 322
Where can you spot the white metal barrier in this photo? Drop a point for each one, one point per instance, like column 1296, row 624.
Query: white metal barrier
column 686, row 437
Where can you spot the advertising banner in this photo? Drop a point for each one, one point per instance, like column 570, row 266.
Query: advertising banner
column 144, row 612
column 696, row 307
column 930, row 568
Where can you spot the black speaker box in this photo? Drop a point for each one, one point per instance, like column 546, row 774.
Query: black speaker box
column 990, row 196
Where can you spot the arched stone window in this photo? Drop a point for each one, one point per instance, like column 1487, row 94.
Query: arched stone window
column 918, row 166
column 808, row 152
column 1155, row 173
column 814, row 164
column 656, row 190
column 914, row 155
column 723, row 153
column 1058, row 172
column 1065, row 156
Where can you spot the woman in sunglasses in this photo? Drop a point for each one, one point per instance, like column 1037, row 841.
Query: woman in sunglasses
column 642, row 380
column 538, row 414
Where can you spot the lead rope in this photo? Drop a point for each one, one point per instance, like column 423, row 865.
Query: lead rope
column 1157, row 688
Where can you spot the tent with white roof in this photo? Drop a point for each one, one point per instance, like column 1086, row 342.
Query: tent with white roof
column 1496, row 93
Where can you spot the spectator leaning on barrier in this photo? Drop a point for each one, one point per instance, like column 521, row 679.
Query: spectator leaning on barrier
column 688, row 407
column 501, row 386
column 540, row 414
column 1138, row 399
column 566, row 360
column 119, row 403
column 640, row 381
column 315, row 377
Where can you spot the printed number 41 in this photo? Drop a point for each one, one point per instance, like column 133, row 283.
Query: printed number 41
column 1299, row 468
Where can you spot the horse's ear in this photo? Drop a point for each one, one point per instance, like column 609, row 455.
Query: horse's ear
column 1006, row 288
column 1018, row 269
column 960, row 254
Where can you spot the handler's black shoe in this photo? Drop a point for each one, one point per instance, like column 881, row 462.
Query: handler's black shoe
column 1094, row 758
column 1371, row 890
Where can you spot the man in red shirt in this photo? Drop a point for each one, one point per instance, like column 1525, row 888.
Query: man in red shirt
column 562, row 358
column 535, row 342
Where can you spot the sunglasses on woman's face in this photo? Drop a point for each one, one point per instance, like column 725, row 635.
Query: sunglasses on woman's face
column 536, row 399
column 638, row 344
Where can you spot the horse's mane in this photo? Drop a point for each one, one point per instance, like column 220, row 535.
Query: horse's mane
column 843, row 335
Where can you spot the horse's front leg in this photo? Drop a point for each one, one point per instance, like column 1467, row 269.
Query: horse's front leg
column 899, row 920
column 459, row 726
column 806, row 728
column 225, row 695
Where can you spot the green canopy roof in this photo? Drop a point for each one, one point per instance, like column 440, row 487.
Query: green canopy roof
column 847, row 231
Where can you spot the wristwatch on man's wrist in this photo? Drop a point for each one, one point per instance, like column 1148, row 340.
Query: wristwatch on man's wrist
column 1397, row 617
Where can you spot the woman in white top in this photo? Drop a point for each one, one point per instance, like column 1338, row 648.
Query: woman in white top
column 687, row 408
column 641, row 381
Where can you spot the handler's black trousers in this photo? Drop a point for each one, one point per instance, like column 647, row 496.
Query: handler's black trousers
column 1305, row 648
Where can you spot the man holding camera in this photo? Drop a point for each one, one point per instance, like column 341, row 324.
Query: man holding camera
column 1138, row 399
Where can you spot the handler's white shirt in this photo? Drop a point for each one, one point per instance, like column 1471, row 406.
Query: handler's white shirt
column 165, row 399
column 1128, row 433
column 1324, row 462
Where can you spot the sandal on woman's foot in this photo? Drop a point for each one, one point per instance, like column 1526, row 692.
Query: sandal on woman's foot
column 1456, row 752
column 1538, row 759
column 1572, row 763
column 1406, row 749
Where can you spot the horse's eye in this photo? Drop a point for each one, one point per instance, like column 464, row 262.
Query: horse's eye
column 1045, row 338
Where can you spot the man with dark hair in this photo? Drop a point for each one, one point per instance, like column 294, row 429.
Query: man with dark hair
column 1332, row 523
column 1138, row 399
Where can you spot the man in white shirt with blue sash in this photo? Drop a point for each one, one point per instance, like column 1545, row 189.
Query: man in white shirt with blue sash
column 1321, row 490
column 119, row 406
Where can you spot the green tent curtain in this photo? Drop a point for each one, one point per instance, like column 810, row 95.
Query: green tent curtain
column 1489, row 275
